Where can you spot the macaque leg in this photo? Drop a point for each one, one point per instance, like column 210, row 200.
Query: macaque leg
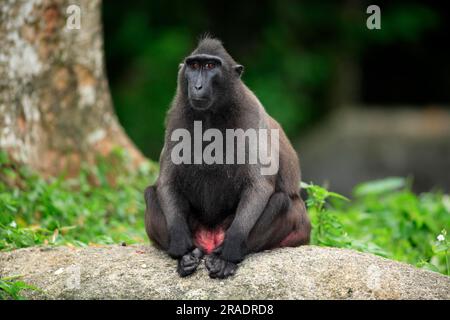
column 284, row 223
column 300, row 234
column 155, row 222
column 222, row 263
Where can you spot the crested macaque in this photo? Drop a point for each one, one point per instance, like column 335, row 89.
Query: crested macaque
column 222, row 211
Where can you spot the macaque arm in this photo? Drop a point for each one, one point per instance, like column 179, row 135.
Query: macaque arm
column 175, row 209
column 251, row 205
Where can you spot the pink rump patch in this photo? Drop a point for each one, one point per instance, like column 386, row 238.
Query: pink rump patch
column 291, row 240
column 209, row 239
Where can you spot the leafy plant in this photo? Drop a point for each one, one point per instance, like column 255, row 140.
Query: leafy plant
column 327, row 229
column 103, row 204
column 441, row 248
column 11, row 288
column 386, row 218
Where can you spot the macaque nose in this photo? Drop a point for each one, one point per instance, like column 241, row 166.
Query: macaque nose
column 198, row 87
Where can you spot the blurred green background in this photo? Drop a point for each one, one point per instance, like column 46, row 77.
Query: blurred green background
column 303, row 58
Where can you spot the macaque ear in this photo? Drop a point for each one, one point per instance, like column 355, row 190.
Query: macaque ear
column 239, row 69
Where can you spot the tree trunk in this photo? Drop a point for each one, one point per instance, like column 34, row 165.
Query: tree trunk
column 55, row 106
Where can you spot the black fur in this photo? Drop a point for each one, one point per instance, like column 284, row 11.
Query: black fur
column 257, row 211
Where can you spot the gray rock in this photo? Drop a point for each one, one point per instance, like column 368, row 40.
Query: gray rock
column 142, row 272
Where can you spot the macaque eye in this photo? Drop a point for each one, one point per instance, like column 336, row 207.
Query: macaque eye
column 195, row 65
column 210, row 65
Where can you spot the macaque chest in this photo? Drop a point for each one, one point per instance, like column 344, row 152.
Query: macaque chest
column 213, row 194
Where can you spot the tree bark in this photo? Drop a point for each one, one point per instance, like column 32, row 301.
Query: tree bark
column 55, row 106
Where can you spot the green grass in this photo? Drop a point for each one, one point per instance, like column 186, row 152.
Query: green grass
column 11, row 288
column 104, row 204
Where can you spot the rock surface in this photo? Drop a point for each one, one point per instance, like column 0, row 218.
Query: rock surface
column 142, row 272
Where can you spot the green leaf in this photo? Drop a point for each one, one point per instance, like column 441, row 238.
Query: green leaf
column 380, row 186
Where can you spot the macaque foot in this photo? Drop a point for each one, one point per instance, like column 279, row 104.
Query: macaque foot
column 189, row 262
column 219, row 268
